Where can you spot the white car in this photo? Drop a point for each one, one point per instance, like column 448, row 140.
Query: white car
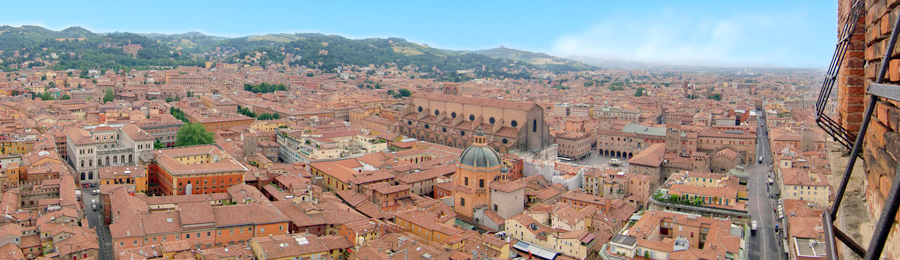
column 753, row 228
column 615, row 162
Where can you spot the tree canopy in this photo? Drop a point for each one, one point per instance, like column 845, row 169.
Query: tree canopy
column 264, row 87
column 177, row 113
column 193, row 134
column 639, row 92
column 403, row 93
column 109, row 96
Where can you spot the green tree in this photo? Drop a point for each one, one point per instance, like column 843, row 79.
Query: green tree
column 716, row 96
column 639, row 92
column 65, row 97
column 110, row 96
column 158, row 144
column 588, row 83
column 46, row 96
column 193, row 134
column 403, row 93
column 177, row 113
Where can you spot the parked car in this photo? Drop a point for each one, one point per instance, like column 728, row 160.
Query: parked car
column 615, row 162
column 753, row 228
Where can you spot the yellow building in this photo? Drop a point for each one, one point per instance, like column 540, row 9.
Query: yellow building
column 135, row 176
column 577, row 244
column 805, row 184
column 16, row 146
column 336, row 175
column 267, row 125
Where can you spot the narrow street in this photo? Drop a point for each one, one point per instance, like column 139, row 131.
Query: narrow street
column 95, row 220
column 766, row 244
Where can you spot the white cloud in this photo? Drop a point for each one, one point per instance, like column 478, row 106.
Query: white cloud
column 677, row 37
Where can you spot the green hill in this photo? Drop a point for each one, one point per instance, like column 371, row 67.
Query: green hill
column 77, row 48
column 190, row 41
column 540, row 60
column 16, row 37
column 329, row 52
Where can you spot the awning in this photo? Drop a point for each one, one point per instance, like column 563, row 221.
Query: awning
column 535, row 250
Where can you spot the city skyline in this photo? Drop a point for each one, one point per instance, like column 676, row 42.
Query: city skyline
column 795, row 34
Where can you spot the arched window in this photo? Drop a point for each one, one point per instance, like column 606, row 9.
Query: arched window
column 82, row 176
column 471, row 117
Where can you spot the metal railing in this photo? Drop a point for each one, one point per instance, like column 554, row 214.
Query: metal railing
column 876, row 91
column 831, row 126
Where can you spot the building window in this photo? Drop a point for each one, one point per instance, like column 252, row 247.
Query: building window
column 437, row 113
column 462, row 202
column 480, row 183
column 514, row 123
column 466, row 181
column 420, row 109
column 471, row 117
column 492, row 120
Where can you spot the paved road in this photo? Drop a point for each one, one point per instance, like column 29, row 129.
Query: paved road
column 766, row 244
column 95, row 220
column 600, row 161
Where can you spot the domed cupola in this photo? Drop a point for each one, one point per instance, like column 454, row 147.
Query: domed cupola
column 480, row 155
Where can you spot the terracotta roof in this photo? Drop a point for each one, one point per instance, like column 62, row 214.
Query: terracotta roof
column 652, row 156
column 498, row 103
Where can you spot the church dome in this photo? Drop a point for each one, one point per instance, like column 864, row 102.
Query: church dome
column 479, row 154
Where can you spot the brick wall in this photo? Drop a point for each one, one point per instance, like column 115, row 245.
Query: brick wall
column 881, row 149
column 850, row 80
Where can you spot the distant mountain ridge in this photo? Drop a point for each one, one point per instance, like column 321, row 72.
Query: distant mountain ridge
column 314, row 50
column 541, row 60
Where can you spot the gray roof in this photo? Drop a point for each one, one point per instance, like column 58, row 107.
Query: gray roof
column 645, row 130
column 624, row 240
column 479, row 156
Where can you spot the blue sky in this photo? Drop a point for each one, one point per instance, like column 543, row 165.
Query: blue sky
column 757, row 33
